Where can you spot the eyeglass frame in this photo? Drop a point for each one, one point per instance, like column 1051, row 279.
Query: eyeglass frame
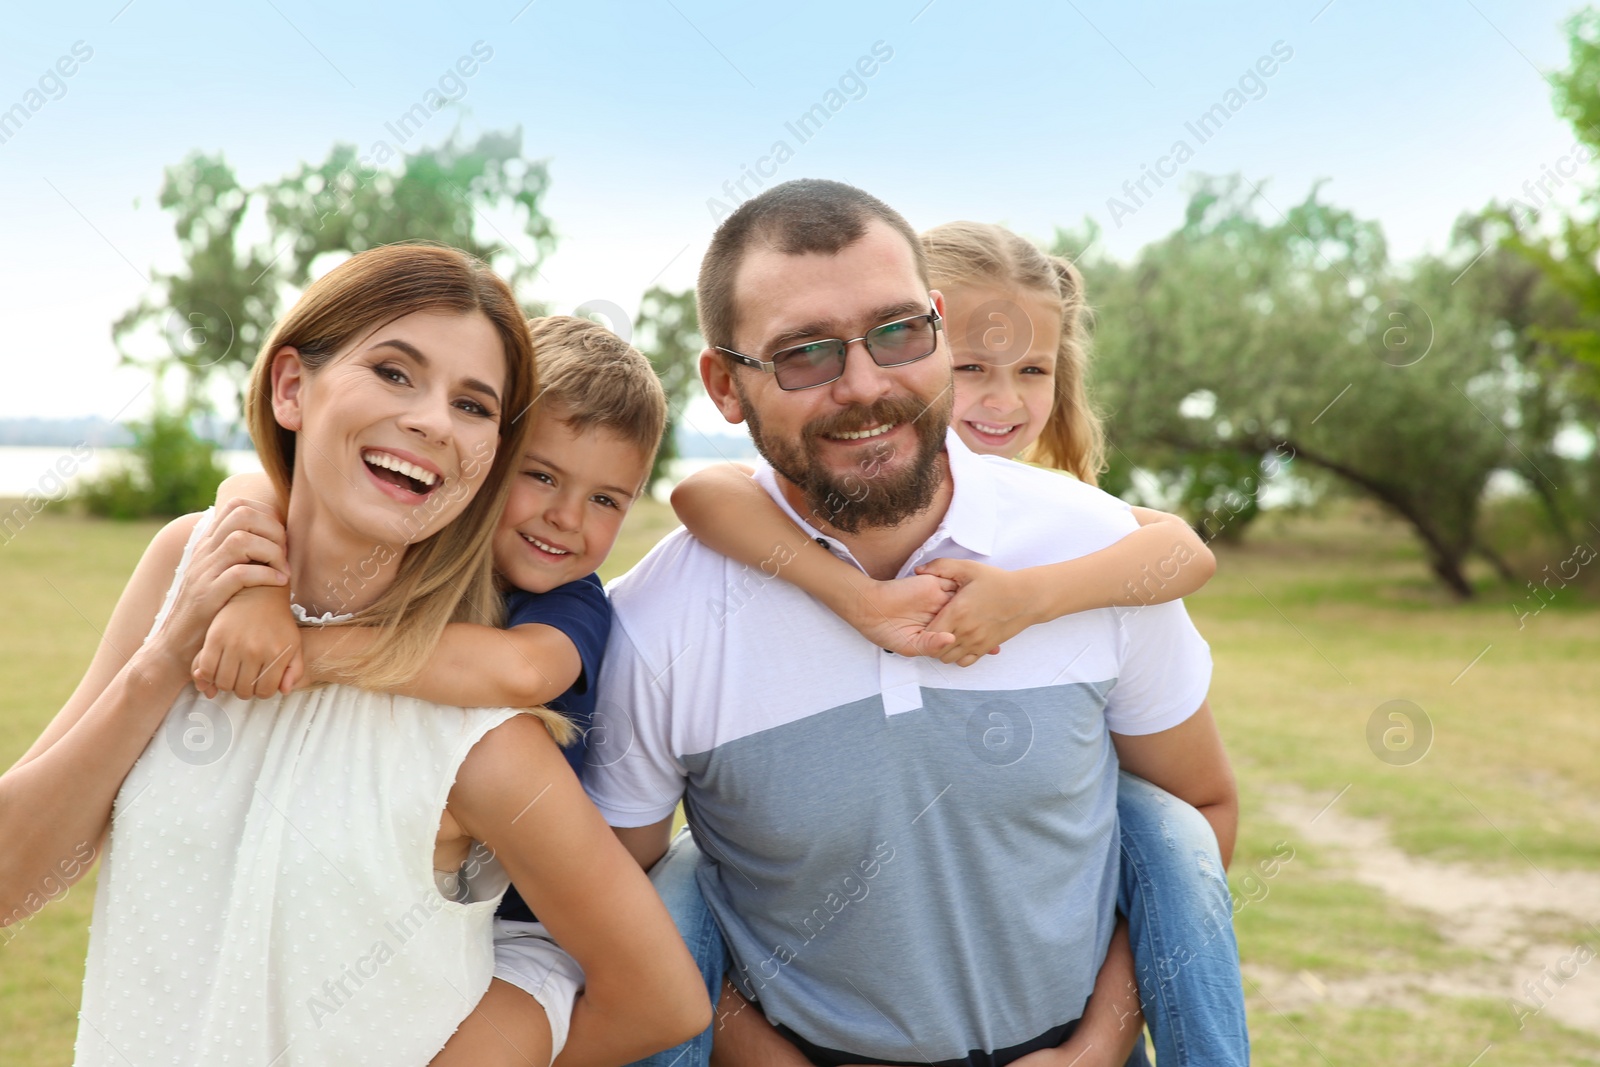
column 936, row 320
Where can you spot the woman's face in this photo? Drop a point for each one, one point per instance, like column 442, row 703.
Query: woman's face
column 398, row 431
column 1003, row 347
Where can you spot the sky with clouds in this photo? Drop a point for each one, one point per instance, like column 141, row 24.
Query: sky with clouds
column 656, row 114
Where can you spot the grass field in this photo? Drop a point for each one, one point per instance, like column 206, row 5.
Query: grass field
column 1419, row 895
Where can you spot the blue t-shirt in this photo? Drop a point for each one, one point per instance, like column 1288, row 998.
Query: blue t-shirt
column 581, row 611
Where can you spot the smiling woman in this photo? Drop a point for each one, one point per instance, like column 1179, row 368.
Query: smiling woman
column 377, row 407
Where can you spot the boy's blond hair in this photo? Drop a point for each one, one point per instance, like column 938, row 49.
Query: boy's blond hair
column 596, row 378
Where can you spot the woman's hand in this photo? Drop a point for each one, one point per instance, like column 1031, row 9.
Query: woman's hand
column 252, row 648
column 990, row 607
column 243, row 547
column 896, row 614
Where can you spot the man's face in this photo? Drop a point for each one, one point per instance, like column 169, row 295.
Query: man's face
column 863, row 451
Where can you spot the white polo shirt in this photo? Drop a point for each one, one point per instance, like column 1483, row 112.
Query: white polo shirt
column 910, row 860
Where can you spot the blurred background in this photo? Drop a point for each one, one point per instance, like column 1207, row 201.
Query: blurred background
column 1342, row 258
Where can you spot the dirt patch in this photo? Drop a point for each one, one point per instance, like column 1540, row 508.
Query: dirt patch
column 1513, row 918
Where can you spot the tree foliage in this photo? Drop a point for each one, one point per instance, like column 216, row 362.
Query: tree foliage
column 668, row 332
column 1292, row 338
column 214, row 313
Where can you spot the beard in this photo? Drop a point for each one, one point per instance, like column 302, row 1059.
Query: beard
column 870, row 495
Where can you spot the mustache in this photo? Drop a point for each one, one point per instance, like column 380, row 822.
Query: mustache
column 882, row 412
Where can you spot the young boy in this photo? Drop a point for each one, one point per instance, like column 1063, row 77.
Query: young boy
column 586, row 458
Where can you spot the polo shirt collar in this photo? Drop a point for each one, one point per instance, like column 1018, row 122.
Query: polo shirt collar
column 970, row 521
column 972, row 517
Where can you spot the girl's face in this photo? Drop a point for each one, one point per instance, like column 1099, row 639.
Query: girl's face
column 1003, row 344
column 397, row 432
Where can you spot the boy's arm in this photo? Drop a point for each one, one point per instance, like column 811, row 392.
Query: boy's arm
column 1163, row 560
column 730, row 514
column 473, row 666
column 253, row 646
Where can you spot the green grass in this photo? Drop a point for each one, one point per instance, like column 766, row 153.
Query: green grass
column 1313, row 624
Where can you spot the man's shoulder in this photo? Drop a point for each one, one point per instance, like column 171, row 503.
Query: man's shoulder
column 677, row 566
column 1034, row 499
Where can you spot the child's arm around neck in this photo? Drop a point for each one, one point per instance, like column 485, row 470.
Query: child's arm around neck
column 255, row 649
column 729, row 513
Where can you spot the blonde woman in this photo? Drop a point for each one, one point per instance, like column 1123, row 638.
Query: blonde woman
column 314, row 880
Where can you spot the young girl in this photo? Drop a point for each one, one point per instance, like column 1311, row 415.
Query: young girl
column 1015, row 323
column 311, row 877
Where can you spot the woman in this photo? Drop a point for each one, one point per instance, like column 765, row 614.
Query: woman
column 303, row 885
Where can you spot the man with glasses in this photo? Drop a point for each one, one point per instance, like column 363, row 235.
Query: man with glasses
column 911, row 862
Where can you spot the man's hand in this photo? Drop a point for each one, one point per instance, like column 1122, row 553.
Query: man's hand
column 1111, row 1021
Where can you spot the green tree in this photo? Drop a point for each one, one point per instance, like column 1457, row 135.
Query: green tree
column 215, row 311
column 210, row 317
column 172, row 471
column 213, row 314
column 1295, row 339
column 668, row 332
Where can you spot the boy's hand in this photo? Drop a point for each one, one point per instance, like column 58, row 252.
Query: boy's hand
column 252, row 648
column 990, row 607
column 896, row 614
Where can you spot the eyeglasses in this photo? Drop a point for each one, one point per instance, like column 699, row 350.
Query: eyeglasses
column 806, row 366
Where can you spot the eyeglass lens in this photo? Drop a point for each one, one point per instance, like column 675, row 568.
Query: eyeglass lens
column 820, row 362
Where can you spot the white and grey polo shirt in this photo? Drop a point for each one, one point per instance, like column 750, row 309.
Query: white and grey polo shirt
column 911, row 861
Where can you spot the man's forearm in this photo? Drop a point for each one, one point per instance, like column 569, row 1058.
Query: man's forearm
column 1112, row 1018
column 1224, row 819
column 742, row 1037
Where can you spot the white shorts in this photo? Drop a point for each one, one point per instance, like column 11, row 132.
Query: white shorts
column 527, row 957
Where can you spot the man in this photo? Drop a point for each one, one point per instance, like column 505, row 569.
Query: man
column 910, row 862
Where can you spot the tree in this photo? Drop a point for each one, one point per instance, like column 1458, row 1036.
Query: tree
column 218, row 309
column 211, row 317
column 1296, row 340
column 669, row 334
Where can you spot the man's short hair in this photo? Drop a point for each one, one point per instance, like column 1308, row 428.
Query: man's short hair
column 597, row 379
column 807, row 215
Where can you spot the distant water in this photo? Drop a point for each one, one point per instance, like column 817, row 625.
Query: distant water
column 52, row 471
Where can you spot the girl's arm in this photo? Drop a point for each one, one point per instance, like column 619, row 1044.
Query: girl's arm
column 55, row 802
column 642, row 991
column 473, row 666
column 1163, row 560
column 730, row 514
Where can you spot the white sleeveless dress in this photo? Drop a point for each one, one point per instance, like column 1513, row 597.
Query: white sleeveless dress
column 268, row 897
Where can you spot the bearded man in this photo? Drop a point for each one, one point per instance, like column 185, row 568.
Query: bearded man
column 891, row 887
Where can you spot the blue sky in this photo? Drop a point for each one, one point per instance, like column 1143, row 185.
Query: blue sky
column 1029, row 114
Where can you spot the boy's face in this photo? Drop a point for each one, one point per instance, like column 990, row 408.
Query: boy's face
column 567, row 502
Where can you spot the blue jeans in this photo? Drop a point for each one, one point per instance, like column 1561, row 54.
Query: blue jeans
column 1175, row 895
column 1180, row 922
column 673, row 877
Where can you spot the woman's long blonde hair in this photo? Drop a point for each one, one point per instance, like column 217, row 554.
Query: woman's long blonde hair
column 967, row 253
column 448, row 576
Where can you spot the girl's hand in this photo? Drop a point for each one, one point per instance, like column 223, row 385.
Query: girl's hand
column 896, row 614
column 242, row 548
column 252, row 648
column 990, row 607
